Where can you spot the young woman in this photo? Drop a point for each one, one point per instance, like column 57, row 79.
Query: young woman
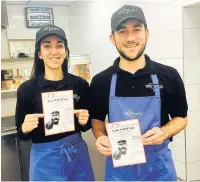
column 62, row 156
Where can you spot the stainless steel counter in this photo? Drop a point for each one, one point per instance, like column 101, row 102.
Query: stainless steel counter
column 8, row 130
column 10, row 168
column 8, row 125
column 14, row 152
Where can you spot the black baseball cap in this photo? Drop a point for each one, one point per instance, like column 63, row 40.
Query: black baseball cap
column 50, row 30
column 125, row 13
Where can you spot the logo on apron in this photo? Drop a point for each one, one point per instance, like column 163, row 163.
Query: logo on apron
column 133, row 114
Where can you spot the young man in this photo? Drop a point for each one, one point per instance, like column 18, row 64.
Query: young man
column 137, row 87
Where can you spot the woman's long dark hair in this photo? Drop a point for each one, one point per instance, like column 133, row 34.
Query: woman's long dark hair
column 38, row 65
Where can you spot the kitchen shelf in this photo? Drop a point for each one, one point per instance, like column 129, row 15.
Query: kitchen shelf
column 79, row 64
column 79, row 59
column 16, row 63
column 73, row 60
column 17, row 59
column 8, row 130
column 10, row 90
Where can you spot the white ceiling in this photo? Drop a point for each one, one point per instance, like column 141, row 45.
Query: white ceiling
column 42, row 3
column 154, row 2
column 68, row 2
column 194, row 6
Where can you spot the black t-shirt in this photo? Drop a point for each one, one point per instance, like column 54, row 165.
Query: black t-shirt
column 139, row 84
column 29, row 101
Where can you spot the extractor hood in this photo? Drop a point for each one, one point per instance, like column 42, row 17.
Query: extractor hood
column 4, row 15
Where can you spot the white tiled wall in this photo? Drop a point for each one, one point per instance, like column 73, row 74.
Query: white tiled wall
column 193, row 149
column 193, row 173
column 193, row 96
column 166, row 18
column 191, row 70
column 192, row 42
column 180, row 135
column 178, row 155
column 193, row 122
column 191, row 18
column 180, row 169
column 191, row 35
column 166, row 42
column 171, row 43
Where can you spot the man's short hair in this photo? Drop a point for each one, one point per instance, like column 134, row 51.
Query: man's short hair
column 122, row 142
column 55, row 112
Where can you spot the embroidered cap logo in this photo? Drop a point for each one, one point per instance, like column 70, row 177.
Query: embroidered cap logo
column 50, row 29
column 127, row 10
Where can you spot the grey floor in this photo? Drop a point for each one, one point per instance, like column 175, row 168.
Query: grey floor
column 98, row 160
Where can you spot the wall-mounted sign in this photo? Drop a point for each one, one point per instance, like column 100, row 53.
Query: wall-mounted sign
column 37, row 17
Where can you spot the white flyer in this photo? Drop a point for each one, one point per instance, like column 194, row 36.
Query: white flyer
column 58, row 109
column 125, row 138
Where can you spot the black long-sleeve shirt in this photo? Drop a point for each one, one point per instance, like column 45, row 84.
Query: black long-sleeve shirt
column 29, row 101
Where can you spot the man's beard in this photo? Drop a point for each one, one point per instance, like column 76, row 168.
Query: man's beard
column 123, row 150
column 139, row 54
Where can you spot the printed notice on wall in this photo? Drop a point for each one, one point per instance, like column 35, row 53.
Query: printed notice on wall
column 58, row 109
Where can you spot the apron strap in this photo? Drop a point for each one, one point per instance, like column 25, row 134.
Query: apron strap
column 68, row 152
column 113, row 85
column 156, row 86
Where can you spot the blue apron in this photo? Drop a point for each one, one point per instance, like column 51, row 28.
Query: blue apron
column 63, row 160
column 159, row 165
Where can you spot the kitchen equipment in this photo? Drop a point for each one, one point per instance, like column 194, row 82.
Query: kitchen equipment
column 80, row 66
column 6, row 80
column 22, row 55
